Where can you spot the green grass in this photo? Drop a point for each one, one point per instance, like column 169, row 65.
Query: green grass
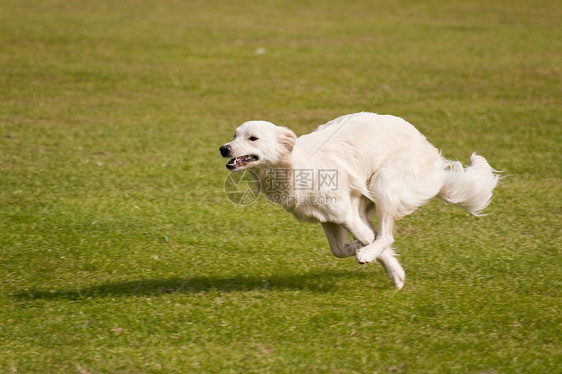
column 119, row 252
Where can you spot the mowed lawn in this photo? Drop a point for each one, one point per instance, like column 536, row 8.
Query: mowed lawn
column 119, row 252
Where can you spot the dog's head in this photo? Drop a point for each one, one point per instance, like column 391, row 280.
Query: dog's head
column 258, row 143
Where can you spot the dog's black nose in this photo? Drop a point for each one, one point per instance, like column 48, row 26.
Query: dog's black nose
column 225, row 150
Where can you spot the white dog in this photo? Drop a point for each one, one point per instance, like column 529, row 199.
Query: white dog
column 353, row 167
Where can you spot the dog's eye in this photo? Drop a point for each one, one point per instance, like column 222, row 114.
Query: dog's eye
column 253, row 138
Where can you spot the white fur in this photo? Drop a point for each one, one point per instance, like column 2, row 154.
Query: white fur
column 384, row 167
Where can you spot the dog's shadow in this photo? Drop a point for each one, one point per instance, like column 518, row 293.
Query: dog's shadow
column 318, row 281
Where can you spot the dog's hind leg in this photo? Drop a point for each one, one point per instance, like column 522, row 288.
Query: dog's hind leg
column 388, row 257
column 379, row 248
column 360, row 230
column 337, row 238
column 394, row 190
column 384, row 239
column 393, row 268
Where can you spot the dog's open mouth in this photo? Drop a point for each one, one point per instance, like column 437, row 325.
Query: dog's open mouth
column 240, row 162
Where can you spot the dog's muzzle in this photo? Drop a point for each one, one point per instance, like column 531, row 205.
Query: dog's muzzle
column 225, row 150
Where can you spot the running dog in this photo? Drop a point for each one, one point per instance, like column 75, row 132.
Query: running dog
column 352, row 168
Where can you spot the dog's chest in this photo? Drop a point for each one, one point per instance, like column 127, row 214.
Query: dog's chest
column 313, row 208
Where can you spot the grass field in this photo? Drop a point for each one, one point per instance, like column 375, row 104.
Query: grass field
column 119, row 252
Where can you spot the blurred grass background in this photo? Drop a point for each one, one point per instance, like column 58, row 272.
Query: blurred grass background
column 120, row 253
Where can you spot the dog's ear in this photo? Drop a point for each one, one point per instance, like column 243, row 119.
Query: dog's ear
column 287, row 138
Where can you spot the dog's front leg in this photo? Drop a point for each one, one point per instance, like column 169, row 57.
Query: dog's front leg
column 337, row 238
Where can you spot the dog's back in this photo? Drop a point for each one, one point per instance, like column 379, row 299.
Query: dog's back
column 366, row 140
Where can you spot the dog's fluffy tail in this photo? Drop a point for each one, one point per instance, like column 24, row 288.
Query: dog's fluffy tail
column 470, row 187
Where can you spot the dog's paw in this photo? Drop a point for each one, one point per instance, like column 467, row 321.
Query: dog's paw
column 398, row 284
column 366, row 255
column 398, row 278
